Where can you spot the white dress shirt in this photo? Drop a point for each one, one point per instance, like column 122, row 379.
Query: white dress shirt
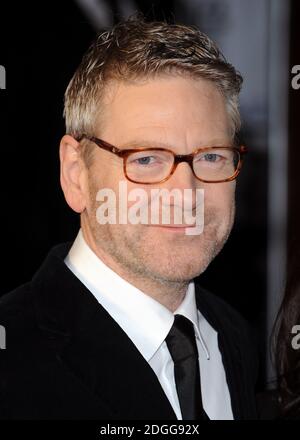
column 147, row 323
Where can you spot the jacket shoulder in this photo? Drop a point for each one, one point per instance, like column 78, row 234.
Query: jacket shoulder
column 16, row 307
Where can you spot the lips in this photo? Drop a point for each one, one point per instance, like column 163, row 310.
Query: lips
column 174, row 228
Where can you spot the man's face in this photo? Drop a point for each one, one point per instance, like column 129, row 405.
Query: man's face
column 182, row 115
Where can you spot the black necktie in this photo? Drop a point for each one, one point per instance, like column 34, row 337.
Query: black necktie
column 181, row 343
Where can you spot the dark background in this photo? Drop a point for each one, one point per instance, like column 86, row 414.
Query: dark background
column 41, row 46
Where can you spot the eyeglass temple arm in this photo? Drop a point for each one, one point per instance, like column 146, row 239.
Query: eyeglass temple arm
column 102, row 144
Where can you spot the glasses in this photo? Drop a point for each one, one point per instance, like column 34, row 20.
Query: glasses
column 155, row 165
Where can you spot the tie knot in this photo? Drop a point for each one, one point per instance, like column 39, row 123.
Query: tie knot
column 181, row 340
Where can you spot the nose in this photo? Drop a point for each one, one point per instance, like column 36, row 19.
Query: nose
column 183, row 177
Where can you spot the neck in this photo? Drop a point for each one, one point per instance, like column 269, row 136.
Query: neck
column 169, row 294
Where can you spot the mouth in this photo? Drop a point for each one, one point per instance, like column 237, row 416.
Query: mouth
column 175, row 229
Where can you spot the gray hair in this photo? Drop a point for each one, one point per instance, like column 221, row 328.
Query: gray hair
column 135, row 49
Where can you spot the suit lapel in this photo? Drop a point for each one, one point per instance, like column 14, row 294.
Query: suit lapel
column 110, row 365
column 93, row 346
column 228, row 341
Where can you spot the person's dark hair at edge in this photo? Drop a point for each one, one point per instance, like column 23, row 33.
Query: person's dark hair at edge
column 287, row 358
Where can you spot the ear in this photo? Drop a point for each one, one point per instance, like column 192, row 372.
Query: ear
column 73, row 174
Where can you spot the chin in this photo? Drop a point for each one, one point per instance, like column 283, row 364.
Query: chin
column 181, row 270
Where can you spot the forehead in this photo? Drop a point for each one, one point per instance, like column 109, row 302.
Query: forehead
column 165, row 107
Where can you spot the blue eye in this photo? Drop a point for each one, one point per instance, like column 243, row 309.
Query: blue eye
column 146, row 160
column 211, row 157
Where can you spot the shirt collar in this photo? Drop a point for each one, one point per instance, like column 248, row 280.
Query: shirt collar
column 143, row 319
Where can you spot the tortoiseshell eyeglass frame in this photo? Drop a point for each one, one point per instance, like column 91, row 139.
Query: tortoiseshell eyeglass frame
column 178, row 158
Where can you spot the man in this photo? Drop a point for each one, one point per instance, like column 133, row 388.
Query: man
column 113, row 325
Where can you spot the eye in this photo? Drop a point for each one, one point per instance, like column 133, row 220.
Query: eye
column 145, row 160
column 208, row 157
column 211, row 157
column 141, row 159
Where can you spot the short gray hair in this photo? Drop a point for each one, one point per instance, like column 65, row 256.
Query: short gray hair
column 135, row 49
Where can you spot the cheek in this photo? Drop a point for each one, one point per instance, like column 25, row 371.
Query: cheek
column 103, row 176
column 220, row 197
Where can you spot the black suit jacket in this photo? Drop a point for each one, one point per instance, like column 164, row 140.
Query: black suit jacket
column 66, row 358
